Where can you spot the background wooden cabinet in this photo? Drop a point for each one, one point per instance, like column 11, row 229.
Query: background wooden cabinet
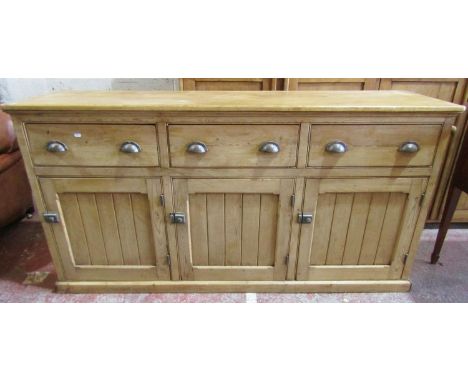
column 111, row 229
column 332, row 84
column 448, row 89
column 236, row 229
column 229, row 84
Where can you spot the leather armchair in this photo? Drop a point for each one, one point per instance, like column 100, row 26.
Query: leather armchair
column 15, row 192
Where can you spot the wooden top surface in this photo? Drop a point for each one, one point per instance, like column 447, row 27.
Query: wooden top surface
column 303, row 101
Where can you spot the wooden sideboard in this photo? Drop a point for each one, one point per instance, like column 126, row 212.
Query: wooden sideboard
column 222, row 191
column 448, row 89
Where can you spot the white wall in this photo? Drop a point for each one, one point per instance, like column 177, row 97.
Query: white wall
column 16, row 89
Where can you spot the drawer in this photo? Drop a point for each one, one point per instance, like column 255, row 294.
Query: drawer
column 93, row 145
column 233, row 145
column 373, row 145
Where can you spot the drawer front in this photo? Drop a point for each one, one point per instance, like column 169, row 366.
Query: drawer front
column 233, row 145
column 373, row 145
column 93, row 145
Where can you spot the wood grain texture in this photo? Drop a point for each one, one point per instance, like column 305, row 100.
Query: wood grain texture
column 390, row 228
column 233, row 230
column 373, row 286
column 75, row 228
column 199, row 229
column 375, row 218
column 333, row 84
column 157, row 224
column 109, row 226
column 92, row 228
column 267, row 229
column 126, row 228
column 217, row 101
column 93, row 145
column 231, row 235
column 339, row 229
column 429, row 185
column 205, row 84
column 109, row 235
column 447, row 89
column 250, row 228
column 357, row 234
column 356, row 228
column 216, row 242
column 241, row 228
column 373, row 145
column 441, row 88
column 233, row 145
column 322, row 228
column 142, row 221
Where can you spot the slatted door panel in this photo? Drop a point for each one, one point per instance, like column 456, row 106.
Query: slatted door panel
column 236, row 229
column 109, row 229
column 362, row 228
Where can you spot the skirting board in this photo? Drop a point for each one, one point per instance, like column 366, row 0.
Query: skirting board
column 232, row 286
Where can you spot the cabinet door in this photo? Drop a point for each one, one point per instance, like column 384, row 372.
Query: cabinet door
column 361, row 230
column 332, row 84
column 235, row 229
column 109, row 229
column 228, row 84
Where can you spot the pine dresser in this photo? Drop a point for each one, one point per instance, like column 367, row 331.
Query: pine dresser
column 312, row 191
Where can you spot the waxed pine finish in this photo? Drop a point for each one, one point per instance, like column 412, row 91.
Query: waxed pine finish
column 447, row 89
column 233, row 191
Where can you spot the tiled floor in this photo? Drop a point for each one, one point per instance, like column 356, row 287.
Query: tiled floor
column 27, row 275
